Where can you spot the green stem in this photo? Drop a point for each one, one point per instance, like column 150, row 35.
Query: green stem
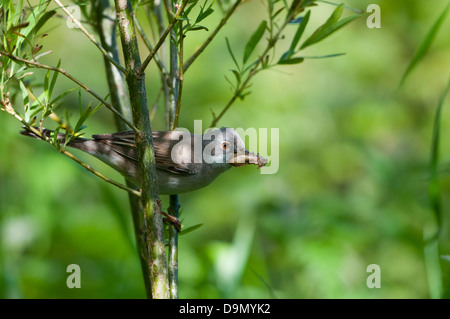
column 164, row 35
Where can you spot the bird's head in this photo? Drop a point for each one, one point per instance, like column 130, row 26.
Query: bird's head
column 225, row 147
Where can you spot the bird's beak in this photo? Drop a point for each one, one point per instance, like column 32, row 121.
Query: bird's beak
column 246, row 158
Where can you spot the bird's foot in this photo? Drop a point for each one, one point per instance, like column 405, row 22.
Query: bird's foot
column 172, row 220
column 169, row 218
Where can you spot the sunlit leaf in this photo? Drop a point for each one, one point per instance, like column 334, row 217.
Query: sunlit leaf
column 291, row 61
column 231, row 53
column 299, row 33
column 426, row 43
column 434, row 189
column 254, row 40
column 190, row 229
column 329, row 27
column 42, row 20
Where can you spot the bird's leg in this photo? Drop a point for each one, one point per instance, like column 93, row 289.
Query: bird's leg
column 169, row 218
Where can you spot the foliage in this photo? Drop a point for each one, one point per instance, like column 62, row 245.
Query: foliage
column 354, row 179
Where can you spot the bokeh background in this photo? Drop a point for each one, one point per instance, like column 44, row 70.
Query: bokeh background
column 351, row 189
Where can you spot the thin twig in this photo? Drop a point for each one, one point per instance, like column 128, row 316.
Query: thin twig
column 71, row 77
column 161, row 67
column 90, row 37
column 224, row 20
column 9, row 108
column 180, row 80
column 164, row 35
column 254, row 70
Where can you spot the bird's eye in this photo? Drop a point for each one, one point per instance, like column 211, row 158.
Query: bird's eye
column 225, row 145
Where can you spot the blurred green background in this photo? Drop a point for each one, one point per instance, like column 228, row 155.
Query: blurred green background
column 351, row 190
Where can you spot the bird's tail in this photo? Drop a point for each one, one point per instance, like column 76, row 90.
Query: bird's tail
column 49, row 133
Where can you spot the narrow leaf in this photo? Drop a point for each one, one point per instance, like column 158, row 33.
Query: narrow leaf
column 59, row 97
column 434, row 189
column 26, row 100
column 231, row 53
column 42, row 20
column 197, row 27
column 329, row 27
column 204, row 15
column 190, row 229
column 299, row 33
column 84, row 116
column 52, row 84
column 323, row 56
column 426, row 43
column 46, row 80
column 254, row 40
column 291, row 61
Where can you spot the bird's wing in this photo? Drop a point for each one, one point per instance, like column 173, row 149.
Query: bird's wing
column 124, row 144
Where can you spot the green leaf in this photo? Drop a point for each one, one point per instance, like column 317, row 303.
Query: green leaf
column 434, row 188
column 299, row 33
column 291, row 61
column 277, row 13
column 345, row 7
column 189, row 8
column 52, row 84
column 54, row 137
column 59, row 97
column 86, row 114
column 197, row 27
column 46, row 80
column 254, row 40
column 425, row 45
column 231, row 53
column 26, row 100
column 204, row 15
column 323, row 56
column 237, row 76
column 329, row 27
column 42, row 20
column 229, row 81
column 190, row 229
column 83, row 117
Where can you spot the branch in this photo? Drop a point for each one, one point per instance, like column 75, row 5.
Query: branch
column 91, row 37
column 173, row 87
column 157, row 262
column 8, row 108
column 224, row 20
column 174, row 210
column 72, row 78
column 106, row 25
column 164, row 35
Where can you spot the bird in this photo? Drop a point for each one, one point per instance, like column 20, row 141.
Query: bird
column 185, row 162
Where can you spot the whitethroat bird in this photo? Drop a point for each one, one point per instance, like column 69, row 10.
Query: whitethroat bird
column 184, row 161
